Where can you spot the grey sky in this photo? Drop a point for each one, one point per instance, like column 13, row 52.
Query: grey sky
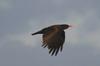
column 19, row 18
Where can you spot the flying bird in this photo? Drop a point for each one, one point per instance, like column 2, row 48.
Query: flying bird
column 53, row 37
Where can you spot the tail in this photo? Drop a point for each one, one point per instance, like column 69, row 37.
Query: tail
column 39, row 32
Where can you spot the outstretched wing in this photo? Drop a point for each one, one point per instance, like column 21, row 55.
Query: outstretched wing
column 54, row 41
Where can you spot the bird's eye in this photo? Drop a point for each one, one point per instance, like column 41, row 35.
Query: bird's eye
column 65, row 26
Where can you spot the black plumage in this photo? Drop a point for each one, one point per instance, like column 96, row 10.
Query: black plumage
column 53, row 37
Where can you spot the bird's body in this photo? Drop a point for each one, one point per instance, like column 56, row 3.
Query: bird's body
column 53, row 37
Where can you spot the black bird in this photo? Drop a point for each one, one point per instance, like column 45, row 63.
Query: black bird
column 53, row 37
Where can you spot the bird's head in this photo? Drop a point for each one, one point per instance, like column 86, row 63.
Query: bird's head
column 65, row 26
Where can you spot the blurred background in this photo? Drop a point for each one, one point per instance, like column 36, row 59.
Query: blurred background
column 20, row 18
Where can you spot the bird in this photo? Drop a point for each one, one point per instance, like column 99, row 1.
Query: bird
column 53, row 37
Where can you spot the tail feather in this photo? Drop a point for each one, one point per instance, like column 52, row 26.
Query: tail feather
column 39, row 32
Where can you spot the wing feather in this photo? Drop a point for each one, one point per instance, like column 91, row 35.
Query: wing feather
column 54, row 41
